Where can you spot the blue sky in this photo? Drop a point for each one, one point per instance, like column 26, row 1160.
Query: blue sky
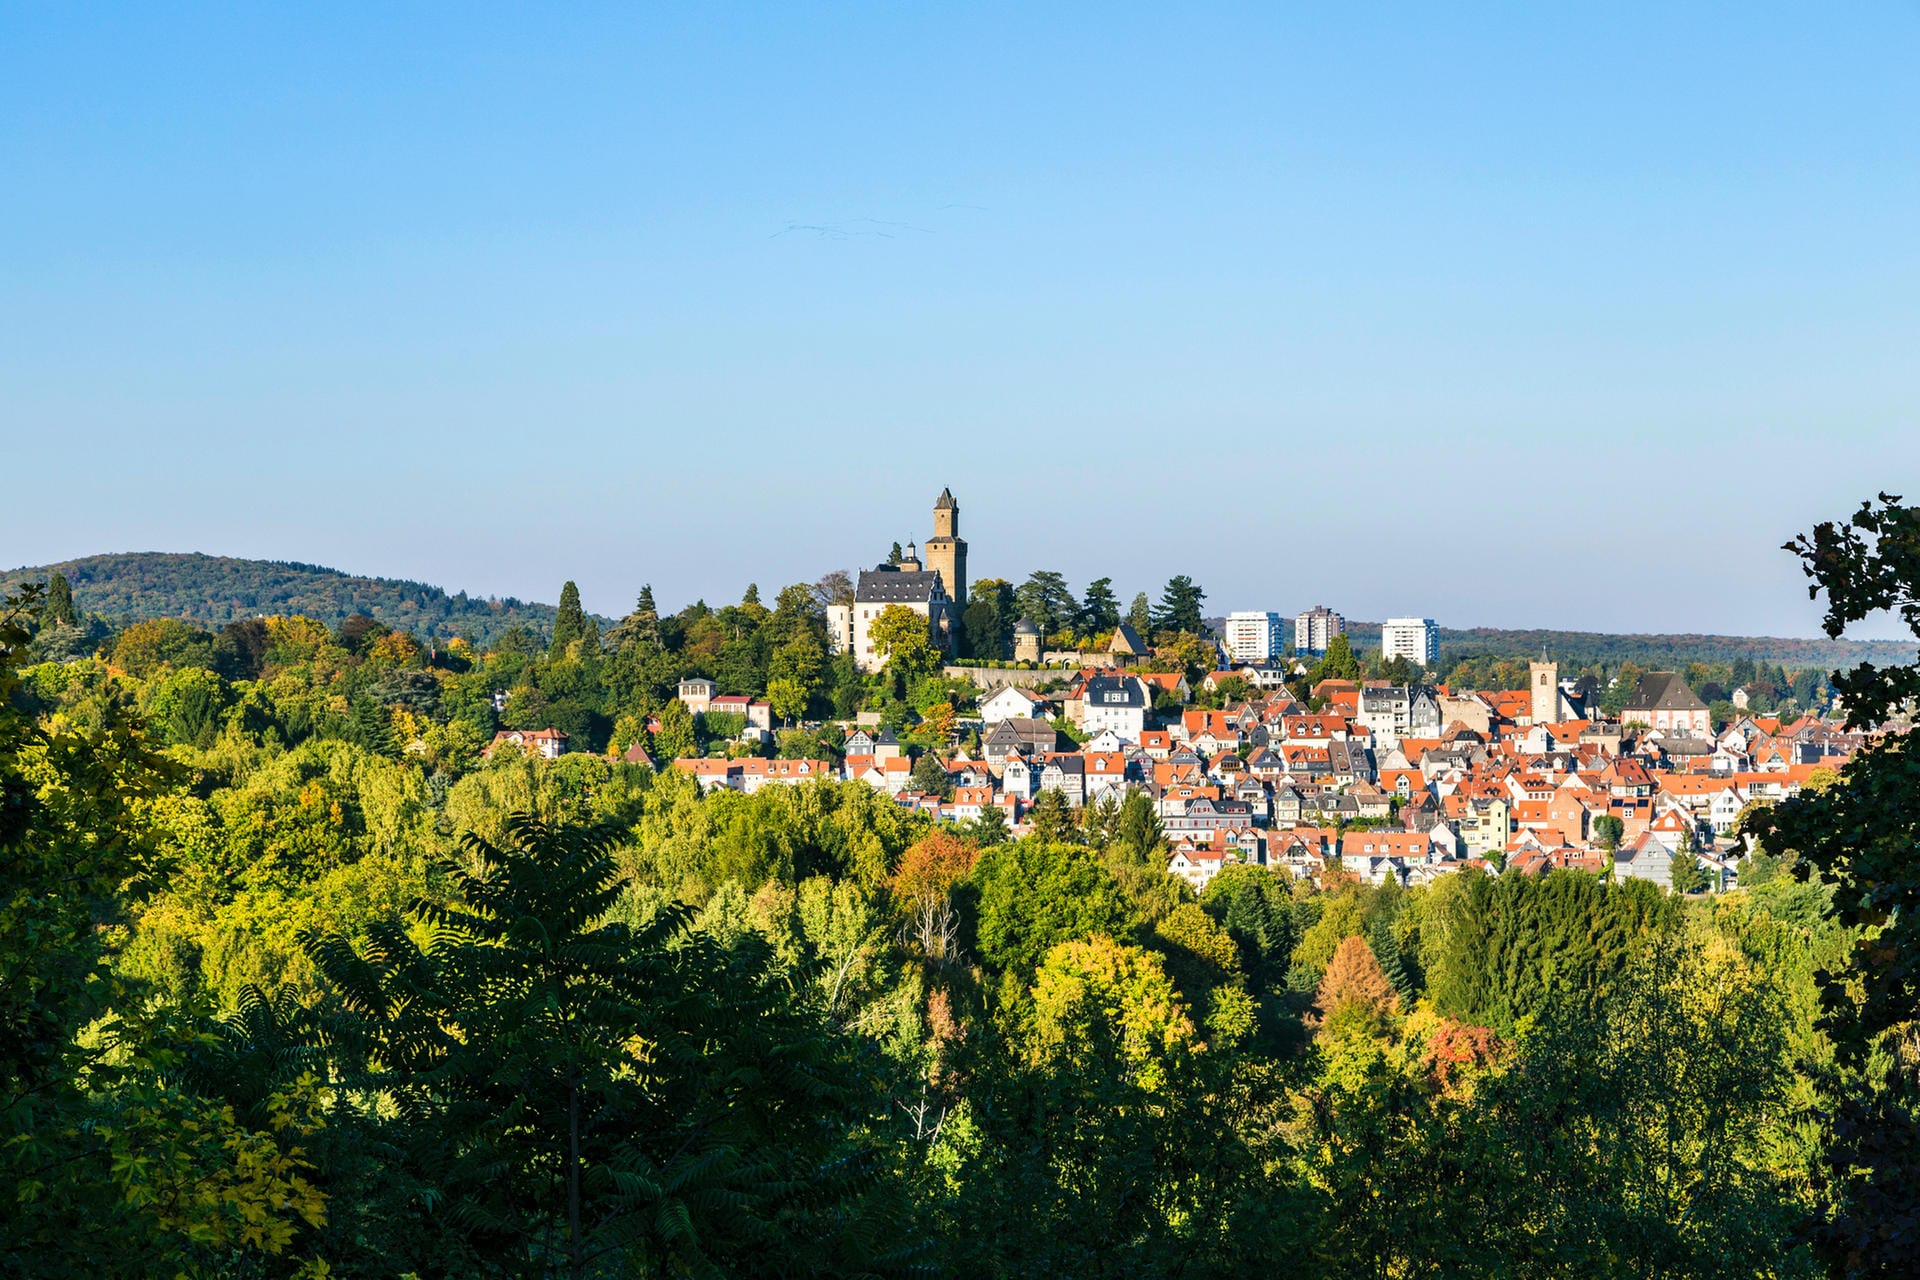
column 1528, row 315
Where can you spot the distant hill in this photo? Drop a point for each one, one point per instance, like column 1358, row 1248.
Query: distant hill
column 213, row 590
column 1665, row 652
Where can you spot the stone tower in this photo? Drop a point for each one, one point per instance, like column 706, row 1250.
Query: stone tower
column 1543, row 678
column 946, row 550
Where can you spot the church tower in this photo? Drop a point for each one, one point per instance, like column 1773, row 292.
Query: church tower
column 1543, row 678
column 946, row 551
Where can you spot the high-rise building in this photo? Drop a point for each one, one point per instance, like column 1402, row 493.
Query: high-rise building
column 1415, row 639
column 1254, row 636
column 1315, row 629
column 947, row 550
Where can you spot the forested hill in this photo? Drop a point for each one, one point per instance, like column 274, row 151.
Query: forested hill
column 212, row 590
column 1658, row 652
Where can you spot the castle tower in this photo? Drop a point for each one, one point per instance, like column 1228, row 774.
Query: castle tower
column 946, row 551
column 1543, row 678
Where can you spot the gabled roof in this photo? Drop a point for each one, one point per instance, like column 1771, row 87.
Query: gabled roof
column 1662, row 691
column 887, row 585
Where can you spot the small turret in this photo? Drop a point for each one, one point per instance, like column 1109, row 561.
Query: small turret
column 1026, row 641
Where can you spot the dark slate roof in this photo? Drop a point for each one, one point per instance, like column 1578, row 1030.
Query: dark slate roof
column 1025, row 627
column 1126, row 639
column 1663, row 691
column 1023, row 729
column 1101, row 691
column 945, row 501
column 897, row 586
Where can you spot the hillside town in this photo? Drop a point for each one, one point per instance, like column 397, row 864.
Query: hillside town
column 1254, row 762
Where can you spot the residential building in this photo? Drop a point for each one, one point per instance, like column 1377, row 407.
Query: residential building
column 1254, row 637
column 695, row 693
column 1117, row 703
column 1314, row 629
column 1662, row 701
column 1415, row 639
column 1010, row 701
column 548, row 744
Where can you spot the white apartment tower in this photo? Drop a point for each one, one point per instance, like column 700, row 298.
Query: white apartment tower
column 1254, row 636
column 1415, row 639
column 1315, row 629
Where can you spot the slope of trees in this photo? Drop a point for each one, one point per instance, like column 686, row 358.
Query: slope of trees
column 214, row 590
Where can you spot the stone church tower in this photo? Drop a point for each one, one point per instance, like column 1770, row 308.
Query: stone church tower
column 946, row 550
column 1543, row 678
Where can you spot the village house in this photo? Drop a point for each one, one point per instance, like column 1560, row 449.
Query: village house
column 548, row 744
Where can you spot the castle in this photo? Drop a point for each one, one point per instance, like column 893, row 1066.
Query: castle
column 935, row 589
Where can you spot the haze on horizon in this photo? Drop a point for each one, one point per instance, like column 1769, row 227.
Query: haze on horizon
column 1528, row 318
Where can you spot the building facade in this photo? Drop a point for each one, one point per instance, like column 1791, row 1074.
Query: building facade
column 1315, row 629
column 1663, row 701
column 1415, row 639
column 1254, row 636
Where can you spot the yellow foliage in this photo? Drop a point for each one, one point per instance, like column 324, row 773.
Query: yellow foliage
column 193, row 1170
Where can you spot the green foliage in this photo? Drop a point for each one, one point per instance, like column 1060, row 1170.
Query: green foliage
column 1338, row 663
column 566, row 1085
column 1034, row 895
column 1046, row 600
column 1099, row 610
column 1516, row 945
column 1180, row 606
column 569, row 622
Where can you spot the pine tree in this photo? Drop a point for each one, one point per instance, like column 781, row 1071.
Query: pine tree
column 1339, row 662
column 1180, row 606
column 569, row 621
column 1050, row 818
column 1355, row 986
column 1099, row 611
column 1393, row 962
column 1140, row 614
column 642, row 626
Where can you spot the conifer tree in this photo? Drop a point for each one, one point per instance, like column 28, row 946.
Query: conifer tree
column 1099, row 611
column 569, row 621
column 1140, row 614
column 1180, row 606
column 1355, row 987
column 59, row 608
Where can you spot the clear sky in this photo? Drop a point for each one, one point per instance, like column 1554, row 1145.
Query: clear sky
column 1554, row 315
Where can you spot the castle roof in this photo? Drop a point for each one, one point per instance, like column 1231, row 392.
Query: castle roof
column 945, row 501
column 887, row 585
